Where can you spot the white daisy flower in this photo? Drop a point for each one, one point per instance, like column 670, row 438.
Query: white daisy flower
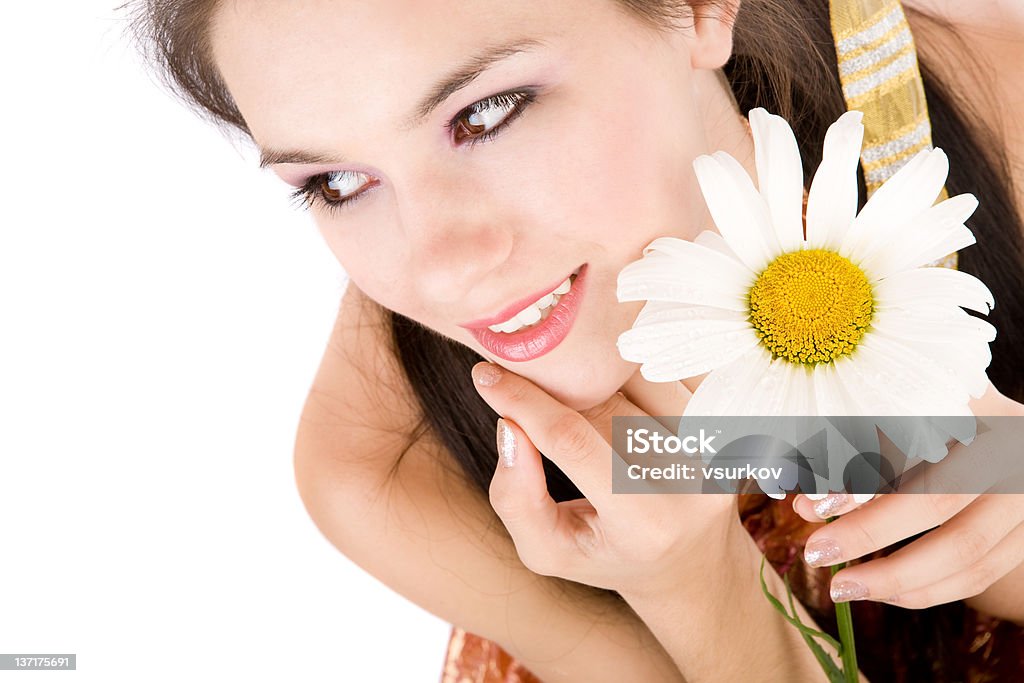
column 847, row 320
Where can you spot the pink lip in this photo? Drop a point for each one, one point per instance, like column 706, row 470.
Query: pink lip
column 536, row 341
column 509, row 310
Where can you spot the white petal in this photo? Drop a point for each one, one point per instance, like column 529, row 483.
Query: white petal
column 832, row 395
column 863, row 379
column 769, row 394
column 857, row 389
column 684, row 272
column 832, row 199
column 780, row 175
column 712, row 240
column 739, row 212
column 656, row 331
column 931, row 219
column 674, row 246
column 729, row 385
column 882, row 204
column 912, row 384
column 911, row 190
column 930, row 235
column 665, row 311
column 926, row 323
column 903, row 257
column 903, row 384
column 693, row 357
column 656, row 311
column 800, row 399
column 916, row 438
column 934, row 286
column 965, row 359
column 827, row 399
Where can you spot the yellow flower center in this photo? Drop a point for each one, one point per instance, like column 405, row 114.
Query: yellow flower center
column 811, row 306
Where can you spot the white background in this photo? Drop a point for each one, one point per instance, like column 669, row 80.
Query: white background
column 163, row 310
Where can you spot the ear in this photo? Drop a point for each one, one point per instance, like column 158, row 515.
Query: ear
column 711, row 39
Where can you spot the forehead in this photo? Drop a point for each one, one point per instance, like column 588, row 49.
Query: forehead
column 297, row 61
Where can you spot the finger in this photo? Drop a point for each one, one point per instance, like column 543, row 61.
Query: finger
column 657, row 398
column 834, row 504
column 691, row 383
column 952, row 548
column 602, row 415
column 976, row 579
column 889, row 519
column 989, row 463
column 544, row 537
column 562, row 434
column 989, row 459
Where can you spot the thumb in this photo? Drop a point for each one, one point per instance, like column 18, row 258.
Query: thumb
column 657, row 398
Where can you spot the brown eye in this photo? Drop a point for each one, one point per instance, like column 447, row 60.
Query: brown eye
column 465, row 129
column 486, row 117
column 340, row 186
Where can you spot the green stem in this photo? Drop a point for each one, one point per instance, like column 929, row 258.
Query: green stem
column 844, row 620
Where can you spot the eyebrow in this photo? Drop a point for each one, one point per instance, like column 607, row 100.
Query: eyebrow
column 455, row 81
column 270, row 157
column 467, row 73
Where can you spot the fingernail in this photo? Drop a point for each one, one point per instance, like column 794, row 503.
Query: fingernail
column 800, row 501
column 848, row 590
column 827, row 506
column 506, row 443
column 486, row 374
column 821, row 551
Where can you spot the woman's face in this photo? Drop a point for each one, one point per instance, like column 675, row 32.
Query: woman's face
column 486, row 150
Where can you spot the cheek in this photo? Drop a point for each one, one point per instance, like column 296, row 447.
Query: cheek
column 363, row 261
column 624, row 176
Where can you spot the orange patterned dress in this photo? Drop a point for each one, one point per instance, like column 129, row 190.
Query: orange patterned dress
column 948, row 643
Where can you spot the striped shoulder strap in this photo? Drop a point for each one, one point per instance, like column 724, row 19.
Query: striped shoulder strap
column 880, row 77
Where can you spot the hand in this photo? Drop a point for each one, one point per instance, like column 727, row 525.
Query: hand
column 979, row 539
column 610, row 541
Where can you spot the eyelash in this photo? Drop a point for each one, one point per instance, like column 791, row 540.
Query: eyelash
column 311, row 195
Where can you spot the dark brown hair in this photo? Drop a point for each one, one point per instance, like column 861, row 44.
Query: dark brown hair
column 783, row 60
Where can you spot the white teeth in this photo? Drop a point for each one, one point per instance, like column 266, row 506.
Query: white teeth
column 535, row 312
column 531, row 314
column 507, row 326
column 528, row 315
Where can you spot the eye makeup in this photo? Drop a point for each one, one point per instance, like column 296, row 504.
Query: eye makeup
column 479, row 122
column 482, row 120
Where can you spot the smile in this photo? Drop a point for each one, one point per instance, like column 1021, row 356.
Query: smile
column 537, row 311
column 539, row 327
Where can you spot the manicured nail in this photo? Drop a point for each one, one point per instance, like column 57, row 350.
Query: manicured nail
column 821, row 551
column 827, row 506
column 486, row 374
column 848, row 590
column 506, row 443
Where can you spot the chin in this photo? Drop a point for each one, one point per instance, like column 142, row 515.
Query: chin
column 591, row 384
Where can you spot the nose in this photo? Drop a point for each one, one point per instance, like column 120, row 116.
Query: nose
column 455, row 237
